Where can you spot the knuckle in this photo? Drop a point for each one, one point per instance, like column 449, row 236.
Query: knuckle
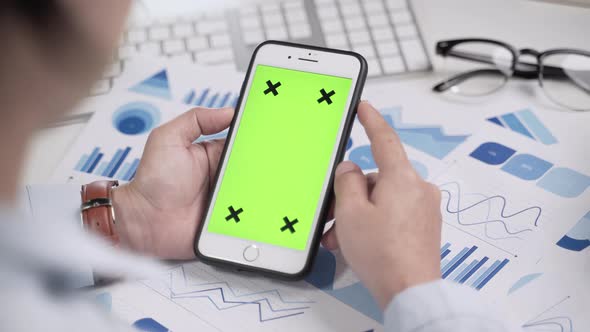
column 408, row 174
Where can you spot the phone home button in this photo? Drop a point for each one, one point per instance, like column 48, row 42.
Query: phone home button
column 251, row 253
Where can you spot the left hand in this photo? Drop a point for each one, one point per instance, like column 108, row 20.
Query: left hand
column 158, row 212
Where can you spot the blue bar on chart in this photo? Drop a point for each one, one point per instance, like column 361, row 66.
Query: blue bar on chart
column 474, row 272
column 211, row 99
column 116, row 168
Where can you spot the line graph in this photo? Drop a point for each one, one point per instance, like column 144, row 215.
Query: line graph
column 486, row 201
column 551, row 319
column 191, row 285
column 487, row 217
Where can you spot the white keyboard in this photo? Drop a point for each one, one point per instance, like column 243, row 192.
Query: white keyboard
column 383, row 31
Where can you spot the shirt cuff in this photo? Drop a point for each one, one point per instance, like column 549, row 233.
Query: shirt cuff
column 441, row 306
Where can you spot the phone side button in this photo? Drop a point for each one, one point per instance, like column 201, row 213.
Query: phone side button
column 251, row 253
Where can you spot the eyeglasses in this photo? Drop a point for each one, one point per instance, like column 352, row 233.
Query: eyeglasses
column 563, row 74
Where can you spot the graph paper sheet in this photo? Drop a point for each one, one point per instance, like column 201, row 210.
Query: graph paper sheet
column 513, row 190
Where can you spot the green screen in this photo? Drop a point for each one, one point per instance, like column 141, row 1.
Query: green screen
column 280, row 157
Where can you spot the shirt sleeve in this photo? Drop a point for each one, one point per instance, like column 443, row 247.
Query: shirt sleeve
column 443, row 306
column 56, row 203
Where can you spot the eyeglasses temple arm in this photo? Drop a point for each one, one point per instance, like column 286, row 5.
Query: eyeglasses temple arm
column 548, row 71
column 460, row 78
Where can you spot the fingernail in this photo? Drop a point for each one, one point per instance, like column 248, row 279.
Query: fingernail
column 345, row 167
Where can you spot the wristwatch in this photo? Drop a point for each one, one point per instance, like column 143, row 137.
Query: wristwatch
column 97, row 211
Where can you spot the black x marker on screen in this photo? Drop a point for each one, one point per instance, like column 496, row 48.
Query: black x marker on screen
column 326, row 96
column 289, row 225
column 272, row 88
column 233, row 214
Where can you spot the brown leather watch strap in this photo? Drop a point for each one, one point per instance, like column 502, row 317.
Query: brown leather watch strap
column 97, row 209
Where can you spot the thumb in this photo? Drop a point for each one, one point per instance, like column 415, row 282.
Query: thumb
column 190, row 125
column 350, row 185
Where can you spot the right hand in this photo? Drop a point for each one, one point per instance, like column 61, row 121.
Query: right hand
column 388, row 224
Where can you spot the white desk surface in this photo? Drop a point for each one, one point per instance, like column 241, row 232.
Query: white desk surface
column 522, row 23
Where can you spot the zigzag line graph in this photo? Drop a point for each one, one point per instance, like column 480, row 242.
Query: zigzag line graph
column 220, row 296
column 429, row 139
column 486, row 221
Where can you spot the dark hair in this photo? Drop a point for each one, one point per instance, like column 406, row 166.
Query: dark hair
column 45, row 17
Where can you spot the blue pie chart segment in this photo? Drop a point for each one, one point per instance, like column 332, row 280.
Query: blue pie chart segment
column 136, row 118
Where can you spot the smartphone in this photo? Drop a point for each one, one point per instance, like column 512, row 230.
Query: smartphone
column 274, row 181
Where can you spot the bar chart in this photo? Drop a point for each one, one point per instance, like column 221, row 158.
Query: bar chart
column 460, row 266
column 117, row 168
column 209, row 98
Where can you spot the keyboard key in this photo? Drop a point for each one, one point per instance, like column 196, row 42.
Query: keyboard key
column 150, row 48
column 136, row 36
column 366, row 50
column 247, row 11
column 214, row 56
column 351, row 9
column 101, row 87
column 173, row 46
column 384, row 33
column 396, row 4
column 220, row 40
column 183, row 29
column 324, row 2
column 378, row 20
column 197, row 43
column 327, row 12
column 208, row 27
column 337, row 40
column 293, row 5
column 182, row 57
column 392, row 64
column 373, row 7
column 354, row 23
column 278, row 33
column 299, row 31
column 373, row 67
column 332, row 26
column 253, row 37
column 414, row 54
column 270, row 8
column 251, row 22
column 296, row 15
column 387, row 47
column 359, row 37
column 272, row 20
column 127, row 52
column 402, row 17
column 406, row 31
column 159, row 33
column 113, row 70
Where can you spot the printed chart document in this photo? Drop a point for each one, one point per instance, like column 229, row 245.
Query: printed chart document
column 514, row 199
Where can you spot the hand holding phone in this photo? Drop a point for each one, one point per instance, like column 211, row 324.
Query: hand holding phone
column 274, row 181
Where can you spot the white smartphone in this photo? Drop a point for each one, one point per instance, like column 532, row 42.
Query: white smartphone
column 274, row 182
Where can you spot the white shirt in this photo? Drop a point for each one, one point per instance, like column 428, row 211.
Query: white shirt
column 45, row 257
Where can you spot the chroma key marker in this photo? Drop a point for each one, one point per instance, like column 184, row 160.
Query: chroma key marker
column 233, row 214
column 272, row 88
column 289, row 225
column 326, row 96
